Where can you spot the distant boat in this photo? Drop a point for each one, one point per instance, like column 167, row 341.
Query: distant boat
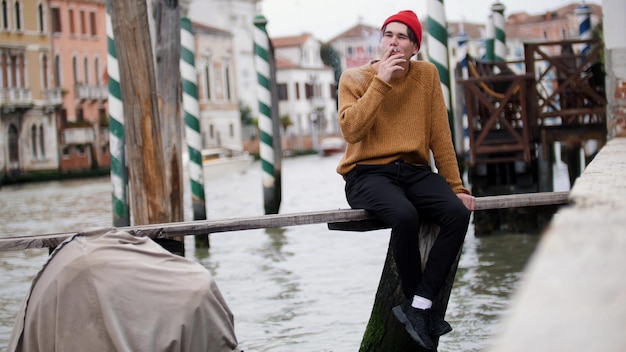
column 224, row 161
column 332, row 145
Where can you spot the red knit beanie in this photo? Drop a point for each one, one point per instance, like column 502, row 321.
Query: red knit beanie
column 409, row 18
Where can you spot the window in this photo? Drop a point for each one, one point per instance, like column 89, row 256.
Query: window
column 86, row 68
column 57, row 71
column 5, row 70
column 231, row 130
column 44, row 71
column 92, row 22
column 42, row 149
column 96, row 63
column 33, row 140
column 56, row 20
column 75, row 70
column 18, row 16
column 297, row 91
column 207, row 78
column 70, row 14
column 5, row 15
column 227, row 74
column 308, row 89
column 80, row 114
column 282, row 91
column 83, row 25
column 40, row 18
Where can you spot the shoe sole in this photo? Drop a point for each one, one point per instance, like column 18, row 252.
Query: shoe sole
column 401, row 316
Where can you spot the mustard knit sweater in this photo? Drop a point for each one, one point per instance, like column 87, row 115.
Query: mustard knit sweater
column 403, row 119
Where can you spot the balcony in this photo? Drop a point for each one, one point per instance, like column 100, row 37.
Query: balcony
column 16, row 97
column 91, row 93
column 52, row 96
column 78, row 135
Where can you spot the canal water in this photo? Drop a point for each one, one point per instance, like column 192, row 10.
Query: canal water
column 302, row 288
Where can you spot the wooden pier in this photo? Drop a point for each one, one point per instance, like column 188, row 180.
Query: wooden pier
column 517, row 111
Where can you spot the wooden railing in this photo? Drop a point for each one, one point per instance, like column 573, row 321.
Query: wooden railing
column 340, row 219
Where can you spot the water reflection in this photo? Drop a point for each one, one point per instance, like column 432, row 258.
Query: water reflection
column 302, row 288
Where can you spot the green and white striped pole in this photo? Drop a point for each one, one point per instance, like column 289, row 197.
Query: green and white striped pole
column 499, row 24
column 269, row 125
column 191, row 111
column 438, row 52
column 117, row 136
column 490, row 38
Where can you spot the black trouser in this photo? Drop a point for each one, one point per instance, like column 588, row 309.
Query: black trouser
column 398, row 193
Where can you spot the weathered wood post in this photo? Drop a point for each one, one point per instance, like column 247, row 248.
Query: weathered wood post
column 384, row 333
column 269, row 122
column 152, row 111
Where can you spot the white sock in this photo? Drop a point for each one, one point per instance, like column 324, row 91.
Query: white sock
column 421, row 302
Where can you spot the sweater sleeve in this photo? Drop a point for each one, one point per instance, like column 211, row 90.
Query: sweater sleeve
column 441, row 142
column 360, row 96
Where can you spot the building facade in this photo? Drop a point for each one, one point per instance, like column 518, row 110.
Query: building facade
column 220, row 122
column 306, row 89
column 79, row 44
column 28, row 97
column 236, row 17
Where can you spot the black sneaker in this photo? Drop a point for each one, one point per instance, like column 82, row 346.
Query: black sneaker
column 417, row 324
column 439, row 327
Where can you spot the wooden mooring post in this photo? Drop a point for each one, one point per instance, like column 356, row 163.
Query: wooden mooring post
column 383, row 332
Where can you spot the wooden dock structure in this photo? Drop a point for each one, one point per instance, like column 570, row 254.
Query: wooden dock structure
column 517, row 111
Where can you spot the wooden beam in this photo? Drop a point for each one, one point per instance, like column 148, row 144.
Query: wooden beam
column 332, row 217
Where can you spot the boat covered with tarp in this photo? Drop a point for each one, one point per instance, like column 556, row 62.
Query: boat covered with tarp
column 106, row 290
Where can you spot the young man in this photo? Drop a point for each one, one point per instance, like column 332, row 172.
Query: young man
column 392, row 115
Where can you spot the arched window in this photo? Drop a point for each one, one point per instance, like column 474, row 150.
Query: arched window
column 44, row 71
column 98, row 78
column 57, row 71
column 228, row 87
column 14, row 153
column 21, row 70
column 33, row 140
column 75, row 70
column 207, row 81
column 5, row 15
column 18, row 16
column 5, row 70
column 86, row 68
column 42, row 145
column 41, row 18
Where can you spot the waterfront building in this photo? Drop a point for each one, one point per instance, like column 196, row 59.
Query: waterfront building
column 79, row 44
column 237, row 17
column 220, row 121
column 307, row 89
column 28, row 97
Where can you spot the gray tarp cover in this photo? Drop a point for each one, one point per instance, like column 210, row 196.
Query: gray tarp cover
column 107, row 290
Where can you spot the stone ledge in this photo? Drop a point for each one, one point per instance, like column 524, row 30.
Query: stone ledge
column 573, row 295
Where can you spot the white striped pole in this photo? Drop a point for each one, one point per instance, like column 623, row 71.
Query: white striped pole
column 462, row 49
column 270, row 151
column 191, row 112
column 117, row 136
column 499, row 24
column 438, row 51
column 583, row 14
column 490, row 37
